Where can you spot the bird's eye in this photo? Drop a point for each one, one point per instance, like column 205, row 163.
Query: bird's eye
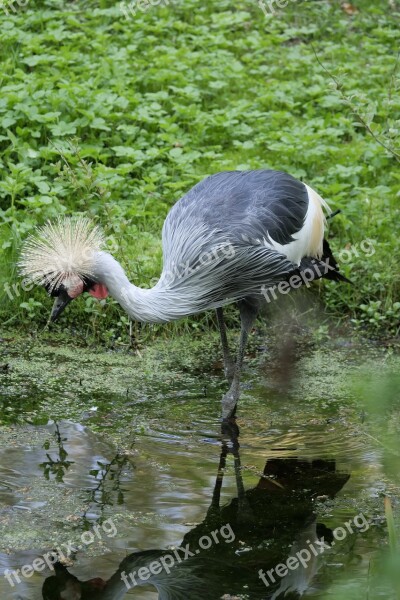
column 55, row 292
column 88, row 284
column 51, row 292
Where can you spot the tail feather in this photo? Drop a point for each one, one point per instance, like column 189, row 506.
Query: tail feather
column 324, row 268
column 327, row 255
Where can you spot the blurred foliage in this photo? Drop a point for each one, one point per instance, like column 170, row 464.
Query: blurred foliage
column 118, row 117
column 378, row 395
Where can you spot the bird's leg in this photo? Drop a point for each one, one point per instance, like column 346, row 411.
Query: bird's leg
column 230, row 399
column 229, row 365
column 248, row 314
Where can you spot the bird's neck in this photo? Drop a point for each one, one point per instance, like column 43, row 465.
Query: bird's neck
column 154, row 305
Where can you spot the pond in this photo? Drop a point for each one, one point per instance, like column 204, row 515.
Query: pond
column 116, row 467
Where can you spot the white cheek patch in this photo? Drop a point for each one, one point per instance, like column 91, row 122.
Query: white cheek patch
column 76, row 291
column 75, row 288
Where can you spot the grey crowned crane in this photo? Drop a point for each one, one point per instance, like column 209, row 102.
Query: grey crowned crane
column 231, row 238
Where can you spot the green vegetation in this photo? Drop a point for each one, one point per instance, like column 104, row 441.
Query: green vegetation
column 118, row 117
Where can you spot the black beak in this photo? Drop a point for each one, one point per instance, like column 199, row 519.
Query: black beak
column 60, row 303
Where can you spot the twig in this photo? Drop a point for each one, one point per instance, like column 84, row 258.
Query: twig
column 361, row 119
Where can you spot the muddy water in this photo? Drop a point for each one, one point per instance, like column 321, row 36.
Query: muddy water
column 104, row 456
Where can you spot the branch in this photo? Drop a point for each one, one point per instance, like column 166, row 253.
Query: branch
column 360, row 118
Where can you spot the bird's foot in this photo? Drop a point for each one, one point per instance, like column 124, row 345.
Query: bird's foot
column 229, row 401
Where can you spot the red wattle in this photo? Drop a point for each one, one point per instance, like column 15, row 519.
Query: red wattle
column 99, row 291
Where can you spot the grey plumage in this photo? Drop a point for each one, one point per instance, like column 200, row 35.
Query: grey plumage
column 229, row 239
column 245, row 203
column 229, row 217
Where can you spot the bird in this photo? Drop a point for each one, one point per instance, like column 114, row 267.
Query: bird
column 235, row 237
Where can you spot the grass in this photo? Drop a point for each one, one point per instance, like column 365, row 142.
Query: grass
column 118, row 118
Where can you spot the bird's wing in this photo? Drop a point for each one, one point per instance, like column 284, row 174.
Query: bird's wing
column 258, row 203
column 220, row 272
column 251, row 206
column 235, row 234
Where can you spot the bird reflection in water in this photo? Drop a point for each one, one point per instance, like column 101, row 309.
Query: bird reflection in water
column 269, row 523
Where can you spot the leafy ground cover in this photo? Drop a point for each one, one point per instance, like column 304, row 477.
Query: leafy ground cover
column 117, row 115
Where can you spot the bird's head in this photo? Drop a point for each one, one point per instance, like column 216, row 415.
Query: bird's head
column 61, row 256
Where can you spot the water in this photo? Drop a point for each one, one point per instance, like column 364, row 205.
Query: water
column 103, row 462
